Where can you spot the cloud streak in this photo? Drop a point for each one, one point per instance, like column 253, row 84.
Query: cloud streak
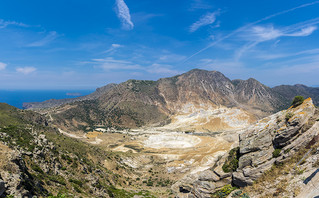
column 243, row 28
column 113, row 47
column 110, row 63
column 205, row 20
column 4, row 24
column 26, row 70
column 200, row 5
column 46, row 40
column 265, row 33
column 259, row 34
column 162, row 69
column 123, row 13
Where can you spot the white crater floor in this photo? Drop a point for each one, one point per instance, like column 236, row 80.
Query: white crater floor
column 171, row 140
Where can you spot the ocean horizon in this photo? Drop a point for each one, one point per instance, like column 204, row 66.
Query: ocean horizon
column 16, row 98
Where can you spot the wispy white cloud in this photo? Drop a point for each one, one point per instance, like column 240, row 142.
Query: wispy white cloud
column 162, row 69
column 245, row 27
column 266, row 33
column 51, row 36
column 143, row 18
column 123, row 13
column 113, row 47
column 171, row 58
column 206, row 19
column 26, row 70
column 4, row 24
column 200, row 5
column 259, row 34
column 303, row 32
column 2, row 66
column 270, row 56
column 110, row 63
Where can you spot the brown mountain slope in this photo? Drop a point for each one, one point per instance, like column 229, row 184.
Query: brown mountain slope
column 196, row 100
column 290, row 91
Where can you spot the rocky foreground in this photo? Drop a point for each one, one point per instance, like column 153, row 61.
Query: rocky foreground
column 277, row 157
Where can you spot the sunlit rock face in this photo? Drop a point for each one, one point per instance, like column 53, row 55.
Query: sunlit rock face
column 283, row 130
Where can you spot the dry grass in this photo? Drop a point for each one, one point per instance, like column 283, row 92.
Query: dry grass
column 274, row 180
column 3, row 155
column 93, row 134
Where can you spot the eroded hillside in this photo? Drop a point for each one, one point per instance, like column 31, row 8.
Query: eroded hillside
column 37, row 160
column 198, row 100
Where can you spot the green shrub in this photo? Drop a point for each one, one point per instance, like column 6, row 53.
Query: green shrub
column 298, row 100
column 78, row 182
column 224, row 191
column 76, row 188
column 287, row 151
column 231, row 163
column 240, row 194
column 57, row 179
column 276, row 153
column 37, row 168
column 59, row 196
column 288, row 116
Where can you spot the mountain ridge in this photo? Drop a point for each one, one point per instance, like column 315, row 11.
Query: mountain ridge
column 205, row 96
column 297, row 89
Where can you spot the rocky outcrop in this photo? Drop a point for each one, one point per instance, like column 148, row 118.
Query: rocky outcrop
column 286, row 130
column 15, row 179
column 269, row 141
column 203, row 184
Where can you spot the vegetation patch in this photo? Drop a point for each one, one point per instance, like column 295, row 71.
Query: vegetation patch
column 37, row 168
column 231, row 163
column 77, row 182
column 288, row 116
column 240, row 194
column 57, row 179
column 276, row 153
column 224, row 191
column 298, row 100
column 18, row 136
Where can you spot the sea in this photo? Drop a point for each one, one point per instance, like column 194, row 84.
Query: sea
column 18, row 97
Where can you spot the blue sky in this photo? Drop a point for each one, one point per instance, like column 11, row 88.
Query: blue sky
column 81, row 44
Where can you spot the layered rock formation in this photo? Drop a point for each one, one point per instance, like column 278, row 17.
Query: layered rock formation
column 287, row 130
column 272, row 140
